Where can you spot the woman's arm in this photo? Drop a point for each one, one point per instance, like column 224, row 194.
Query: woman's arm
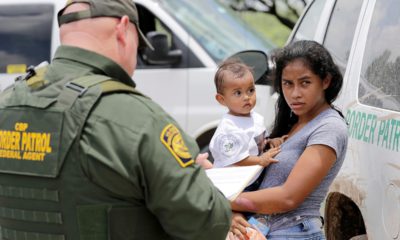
column 311, row 168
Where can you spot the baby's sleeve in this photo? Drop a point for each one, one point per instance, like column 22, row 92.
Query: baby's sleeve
column 229, row 148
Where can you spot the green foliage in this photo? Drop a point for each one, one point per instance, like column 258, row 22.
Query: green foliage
column 267, row 25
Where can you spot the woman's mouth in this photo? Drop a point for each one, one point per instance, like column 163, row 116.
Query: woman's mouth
column 295, row 106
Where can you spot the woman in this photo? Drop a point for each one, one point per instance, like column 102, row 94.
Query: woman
column 291, row 193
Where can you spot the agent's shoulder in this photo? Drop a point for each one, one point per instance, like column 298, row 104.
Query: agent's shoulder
column 127, row 107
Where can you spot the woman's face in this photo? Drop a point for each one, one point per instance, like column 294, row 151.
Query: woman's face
column 303, row 90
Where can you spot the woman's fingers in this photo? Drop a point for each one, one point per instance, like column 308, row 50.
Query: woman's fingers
column 254, row 234
column 239, row 235
column 284, row 137
column 238, row 225
column 230, row 236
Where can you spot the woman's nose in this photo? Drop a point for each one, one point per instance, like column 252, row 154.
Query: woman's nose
column 296, row 92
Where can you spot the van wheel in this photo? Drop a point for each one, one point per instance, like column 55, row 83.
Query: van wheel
column 359, row 237
column 343, row 218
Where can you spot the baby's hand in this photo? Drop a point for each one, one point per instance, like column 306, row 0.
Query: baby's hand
column 276, row 142
column 267, row 157
column 202, row 160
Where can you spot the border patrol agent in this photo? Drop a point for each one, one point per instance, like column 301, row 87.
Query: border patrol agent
column 83, row 155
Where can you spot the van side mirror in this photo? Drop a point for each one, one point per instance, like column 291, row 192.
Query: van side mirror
column 260, row 63
column 161, row 55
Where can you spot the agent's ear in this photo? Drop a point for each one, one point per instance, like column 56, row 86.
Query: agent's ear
column 326, row 82
column 220, row 99
column 122, row 30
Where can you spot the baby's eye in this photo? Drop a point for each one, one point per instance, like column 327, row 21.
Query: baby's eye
column 237, row 93
column 251, row 91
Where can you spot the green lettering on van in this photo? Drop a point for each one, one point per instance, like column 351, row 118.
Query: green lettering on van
column 389, row 134
column 361, row 125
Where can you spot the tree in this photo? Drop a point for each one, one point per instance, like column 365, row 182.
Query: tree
column 287, row 11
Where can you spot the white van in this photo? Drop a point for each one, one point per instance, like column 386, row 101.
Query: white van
column 195, row 36
column 363, row 36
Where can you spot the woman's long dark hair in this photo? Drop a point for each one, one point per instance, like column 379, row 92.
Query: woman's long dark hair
column 320, row 62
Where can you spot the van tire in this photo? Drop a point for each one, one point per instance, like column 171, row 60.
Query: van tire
column 343, row 219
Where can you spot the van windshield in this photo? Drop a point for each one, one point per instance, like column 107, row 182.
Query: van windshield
column 215, row 27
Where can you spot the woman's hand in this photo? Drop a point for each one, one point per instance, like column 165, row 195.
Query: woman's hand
column 276, row 142
column 241, row 229
column 238, row 226
column 253, row 234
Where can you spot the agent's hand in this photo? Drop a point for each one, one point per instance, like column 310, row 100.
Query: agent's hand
column 202, row 160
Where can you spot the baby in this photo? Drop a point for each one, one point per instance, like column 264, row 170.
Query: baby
column 240, row 137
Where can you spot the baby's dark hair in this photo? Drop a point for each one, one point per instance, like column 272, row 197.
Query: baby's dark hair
column 232, row 66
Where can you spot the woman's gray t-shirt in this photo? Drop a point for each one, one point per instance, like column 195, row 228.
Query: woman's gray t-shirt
column 329, row 129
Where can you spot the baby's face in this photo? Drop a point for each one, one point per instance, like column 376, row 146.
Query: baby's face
column 239, row 94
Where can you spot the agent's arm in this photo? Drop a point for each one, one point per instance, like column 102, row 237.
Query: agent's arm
column 177, row 190
column 143, row 161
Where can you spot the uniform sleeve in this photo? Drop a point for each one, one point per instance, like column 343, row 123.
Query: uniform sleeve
column 141, row 156
column 333, row 133
column 229, row 147
column 178, row 191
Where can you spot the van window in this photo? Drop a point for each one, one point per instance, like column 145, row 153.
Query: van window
column 340, row 31
column 148, row 23
column 220, row 32
column 309, row 22
column 25, row 36
column 380, row 73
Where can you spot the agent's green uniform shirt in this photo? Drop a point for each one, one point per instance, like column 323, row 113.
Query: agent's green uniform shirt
column 135, row 151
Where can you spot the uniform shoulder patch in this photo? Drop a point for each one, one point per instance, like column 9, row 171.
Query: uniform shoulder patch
column 172, row 139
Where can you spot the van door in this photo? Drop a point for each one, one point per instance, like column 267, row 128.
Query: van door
column 166, row 83
column 373, row 114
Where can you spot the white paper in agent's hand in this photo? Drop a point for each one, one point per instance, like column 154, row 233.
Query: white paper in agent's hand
column 232, row 180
